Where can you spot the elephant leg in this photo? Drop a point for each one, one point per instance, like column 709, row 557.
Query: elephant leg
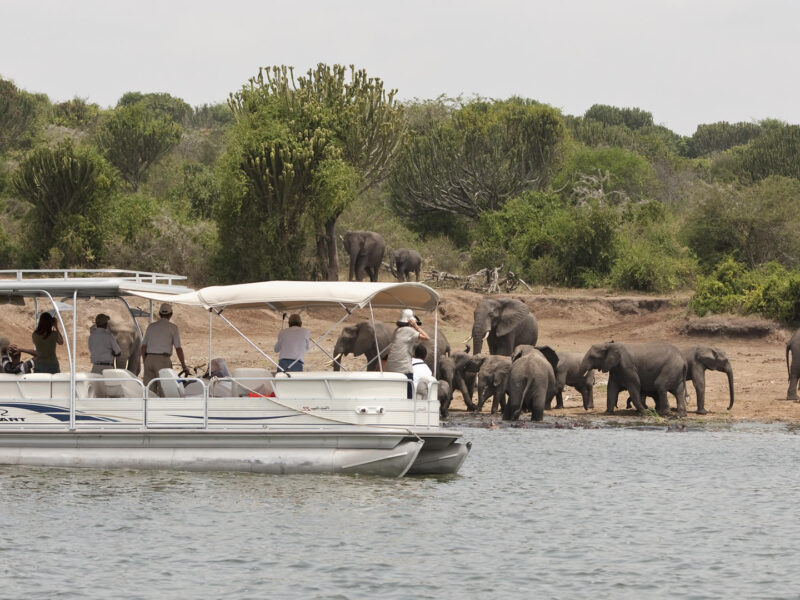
column 466, row 393
column 587, row 395
column 700, row 391
column 680, row 397
column 612, row 393
column 662, row 402
column 559, row 399
column 791, row 393
column 499, row 399
column 537, row 401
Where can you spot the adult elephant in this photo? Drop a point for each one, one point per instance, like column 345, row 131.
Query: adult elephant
column 493, row 381
column 129, row 342
column 505, row 323
column 531, row 382
column 793, row 346
column 648, row 369
column 403, row 262
column 698, row 360
column 569, row 373
column 359, row 339
column 366, row 250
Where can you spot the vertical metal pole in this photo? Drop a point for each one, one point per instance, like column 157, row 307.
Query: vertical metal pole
column 435, row 339
column 375, row 332
column 208, row 367
column 74, row 364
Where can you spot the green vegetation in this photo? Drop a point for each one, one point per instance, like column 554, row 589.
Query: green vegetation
column 263, row 186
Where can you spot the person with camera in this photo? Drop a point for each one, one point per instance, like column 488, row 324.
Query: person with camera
column 11, row 357
column 406, row 336
column 45, row 337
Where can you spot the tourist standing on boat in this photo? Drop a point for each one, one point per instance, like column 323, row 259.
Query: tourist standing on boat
column 45, row 337
column 418, row 366
column 292, row 345
column 103, row 346
column 406, row 336
column 11, row 357
column 159, row 339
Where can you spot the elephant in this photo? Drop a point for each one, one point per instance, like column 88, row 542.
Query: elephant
column 652, row 368
column 700, row 358
column 531, row 382
column 466, row 370
column 366, row 250
column 506, row 323
column 569, row 373
column 446, row 374
column 493, row 381
column 403, row 262
column 445, row 395
column 359, row 339
column 129, row 342
column 793, row 346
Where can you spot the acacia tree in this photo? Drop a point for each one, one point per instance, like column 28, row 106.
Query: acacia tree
column 133, row 139
column 484, row 155
column 359, row 128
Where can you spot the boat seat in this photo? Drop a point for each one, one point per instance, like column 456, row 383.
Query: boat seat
column 9, row 386
column 251, row 379
column 36, row 386
column 87, row 385
column 170, row 384
column 121, row 383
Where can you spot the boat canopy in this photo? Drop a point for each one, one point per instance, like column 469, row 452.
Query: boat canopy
column 286, row 296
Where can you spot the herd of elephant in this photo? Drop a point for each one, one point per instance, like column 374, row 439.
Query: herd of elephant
column 520, row 376
column 366, row 250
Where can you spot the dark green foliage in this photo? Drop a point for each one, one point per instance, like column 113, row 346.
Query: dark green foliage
column 754, row 224
column 210, row 116
column 133, row 140
column 487, row 153
column 771, row 291
column 615, row 174
column 69, row 187
column 547, row 241
column 632, row 118
column 776, row 152
column 158, row 105
column 200, row 189
column 651, row 141
column 718, row 137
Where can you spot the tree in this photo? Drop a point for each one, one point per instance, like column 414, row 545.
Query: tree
column 162, row 104
column 774, row 153
column 17, row 114
column 352, row 126
column 633, row 118
column 133, row 140
column 68, row 187
column 487, row 153
column 718, row 137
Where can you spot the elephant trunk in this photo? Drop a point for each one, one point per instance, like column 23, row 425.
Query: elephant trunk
column 585, row 367
column 729, row 372
column 337, row 358
column 480, row 331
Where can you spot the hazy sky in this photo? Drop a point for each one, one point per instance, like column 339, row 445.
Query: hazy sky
column 686, row 61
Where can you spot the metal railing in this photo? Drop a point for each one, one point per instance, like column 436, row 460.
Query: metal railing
column 127, row 275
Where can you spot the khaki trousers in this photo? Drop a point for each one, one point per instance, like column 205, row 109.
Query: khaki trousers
column 152, row 363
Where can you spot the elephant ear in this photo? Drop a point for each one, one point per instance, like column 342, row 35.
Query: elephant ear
column 512, row 314
column 550, row 354
column 618, row 356
column 365, row 339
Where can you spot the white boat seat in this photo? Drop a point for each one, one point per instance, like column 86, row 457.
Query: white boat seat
column 169, row 384
column 251, row 379
column 36, row 386
column 343, row 384
column 121, row 383
column 9, row 386
column 87, row 385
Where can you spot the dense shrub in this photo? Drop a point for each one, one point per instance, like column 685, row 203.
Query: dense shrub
column 772, row 291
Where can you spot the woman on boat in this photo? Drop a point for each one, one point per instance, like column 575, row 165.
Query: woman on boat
column 45, row 337
column 406, row 336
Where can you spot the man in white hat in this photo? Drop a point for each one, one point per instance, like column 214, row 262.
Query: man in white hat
column 405, row 337
column 159, row 339
column 103, row 347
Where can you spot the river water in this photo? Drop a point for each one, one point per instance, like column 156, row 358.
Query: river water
column 535, row 512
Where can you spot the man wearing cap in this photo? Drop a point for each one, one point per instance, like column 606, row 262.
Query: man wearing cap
column 159, row 339
column 292, row 345
column 102, row 345
column 405, row 337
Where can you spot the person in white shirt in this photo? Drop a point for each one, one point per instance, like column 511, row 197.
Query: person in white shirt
column 103, row 346
column 292, row 345
column 159, row 339
column 418, row 366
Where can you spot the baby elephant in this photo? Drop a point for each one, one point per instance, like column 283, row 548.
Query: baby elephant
column 403, row 262
column 443, row 390
column 531, row 381
column 493, row 381
column 569, row 373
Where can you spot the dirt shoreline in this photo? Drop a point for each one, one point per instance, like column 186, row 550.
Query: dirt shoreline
column 569, row 320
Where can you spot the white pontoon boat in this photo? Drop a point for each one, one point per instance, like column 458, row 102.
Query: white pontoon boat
column 258, row 420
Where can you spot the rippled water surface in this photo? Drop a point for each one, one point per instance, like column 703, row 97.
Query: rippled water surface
column 535, row 512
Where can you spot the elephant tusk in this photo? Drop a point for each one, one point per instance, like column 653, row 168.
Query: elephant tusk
column 467, row 340
column 486, row 336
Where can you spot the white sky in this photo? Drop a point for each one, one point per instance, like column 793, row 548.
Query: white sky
column 686, row 61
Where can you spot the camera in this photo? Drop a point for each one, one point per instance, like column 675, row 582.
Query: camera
column 419, row 322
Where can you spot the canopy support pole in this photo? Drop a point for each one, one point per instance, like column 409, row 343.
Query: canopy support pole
column 247, row 339
column 375, row 334
column 73, row 366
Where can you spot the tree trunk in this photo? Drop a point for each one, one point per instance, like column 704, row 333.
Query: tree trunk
column 332, row 255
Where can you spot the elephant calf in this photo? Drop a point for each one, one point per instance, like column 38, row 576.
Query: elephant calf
column 531, row 382
column 493, row 381
column 569, row 373
column 403, row 262
column 700, row 358
column 793, row 347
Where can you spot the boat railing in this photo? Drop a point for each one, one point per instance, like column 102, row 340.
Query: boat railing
column 125, row 402
column 124, row 274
